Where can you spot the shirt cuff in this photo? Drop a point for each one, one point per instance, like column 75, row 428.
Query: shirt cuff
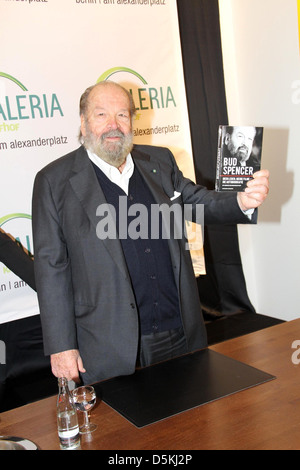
column 249, row 213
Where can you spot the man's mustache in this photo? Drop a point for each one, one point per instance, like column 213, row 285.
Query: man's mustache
column 113, row 133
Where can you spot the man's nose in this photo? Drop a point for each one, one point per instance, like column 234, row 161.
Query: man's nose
column 112, row 122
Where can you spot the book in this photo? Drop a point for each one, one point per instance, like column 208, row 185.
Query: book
column 238, row 157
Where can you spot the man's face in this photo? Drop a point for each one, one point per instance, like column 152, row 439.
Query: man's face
column 107, row 127
column 240, row 143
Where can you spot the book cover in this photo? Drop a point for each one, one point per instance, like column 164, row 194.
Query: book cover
column 239, row 156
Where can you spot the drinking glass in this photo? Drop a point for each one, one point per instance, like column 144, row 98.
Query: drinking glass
column 84, row 399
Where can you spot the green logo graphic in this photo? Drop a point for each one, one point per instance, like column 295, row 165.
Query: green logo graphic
column 106, row 75
column 13, row 79
column 145, row 98
column 24, row 106
column 9, row 217
column 24, row 236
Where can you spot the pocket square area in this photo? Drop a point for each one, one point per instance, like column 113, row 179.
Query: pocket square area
column 176, row 195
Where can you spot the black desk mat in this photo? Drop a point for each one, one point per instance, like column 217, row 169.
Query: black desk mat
column 168, row 388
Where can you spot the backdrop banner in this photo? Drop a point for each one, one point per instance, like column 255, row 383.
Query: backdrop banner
column 55, row 50
column 298, row 1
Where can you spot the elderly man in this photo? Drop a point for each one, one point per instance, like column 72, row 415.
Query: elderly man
column 239, row 144
column 108, row 303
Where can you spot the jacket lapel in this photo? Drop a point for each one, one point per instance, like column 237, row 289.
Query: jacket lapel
column 151, row 172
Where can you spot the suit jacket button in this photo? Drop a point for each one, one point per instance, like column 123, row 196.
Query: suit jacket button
column 132, row 306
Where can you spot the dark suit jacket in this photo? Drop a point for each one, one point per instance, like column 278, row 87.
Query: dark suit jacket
column 16, row 259
column 85, row 294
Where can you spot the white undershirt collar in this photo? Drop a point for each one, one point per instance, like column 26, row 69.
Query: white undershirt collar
column 121, row 179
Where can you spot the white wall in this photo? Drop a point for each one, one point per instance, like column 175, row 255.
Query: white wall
column 262, row 74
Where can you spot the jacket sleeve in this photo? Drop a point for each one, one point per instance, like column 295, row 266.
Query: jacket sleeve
column 219, row 207
column 52, row 271
column 14, row 256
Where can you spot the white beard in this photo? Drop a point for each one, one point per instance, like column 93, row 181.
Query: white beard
column 113, row 153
